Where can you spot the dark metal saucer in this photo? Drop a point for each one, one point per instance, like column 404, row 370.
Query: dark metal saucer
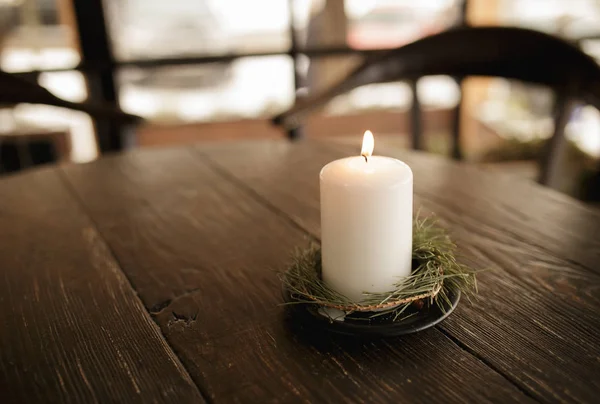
column 365, row 325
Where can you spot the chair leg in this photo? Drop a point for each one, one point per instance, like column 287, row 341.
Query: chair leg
column 553, row 156
column 456, row 150
column 415, row 117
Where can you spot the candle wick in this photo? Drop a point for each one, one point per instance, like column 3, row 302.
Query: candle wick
column 366, row 159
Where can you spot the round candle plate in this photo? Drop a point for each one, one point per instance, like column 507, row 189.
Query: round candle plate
column 365, row 325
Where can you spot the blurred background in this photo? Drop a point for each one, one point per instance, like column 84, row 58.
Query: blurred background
column 218, row 70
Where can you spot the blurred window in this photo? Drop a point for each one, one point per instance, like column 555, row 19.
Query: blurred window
column 149, row 29
column 247, row 87
column 571, row 19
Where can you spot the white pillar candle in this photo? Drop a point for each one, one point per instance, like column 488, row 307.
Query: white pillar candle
column 366, row 223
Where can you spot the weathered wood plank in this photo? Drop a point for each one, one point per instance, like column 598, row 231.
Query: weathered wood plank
column 201, row 250
column 72, row 329
column 538, row 318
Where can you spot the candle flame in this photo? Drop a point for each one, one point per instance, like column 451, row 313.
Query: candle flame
column 367, row 145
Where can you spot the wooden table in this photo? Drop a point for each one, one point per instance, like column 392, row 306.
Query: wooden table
column 149, row 277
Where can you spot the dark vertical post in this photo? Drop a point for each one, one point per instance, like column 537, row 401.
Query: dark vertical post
column 456, row 150
column 415, row 117
column 456, row 113
column 294, row 133
column 96, row 52
column 462, row 15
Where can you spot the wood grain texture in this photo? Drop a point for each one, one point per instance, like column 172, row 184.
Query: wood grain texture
column 201, row 249
column 538, row 319
column 72, row 329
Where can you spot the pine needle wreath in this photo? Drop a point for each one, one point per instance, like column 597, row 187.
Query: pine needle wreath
column 435, row 272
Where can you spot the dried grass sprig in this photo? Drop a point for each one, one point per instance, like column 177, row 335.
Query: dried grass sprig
column 435, row 271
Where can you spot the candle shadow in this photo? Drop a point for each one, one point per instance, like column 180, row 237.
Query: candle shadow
column 304, row 331
column 324, row 341
column 399, row 356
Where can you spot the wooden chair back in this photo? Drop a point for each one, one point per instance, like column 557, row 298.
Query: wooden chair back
column 513, row 53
